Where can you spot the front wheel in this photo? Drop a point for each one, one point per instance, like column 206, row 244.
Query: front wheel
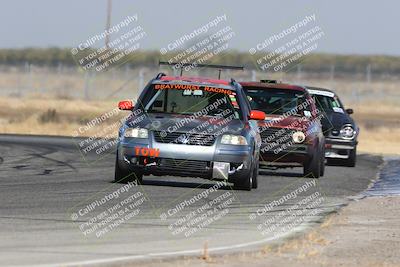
column 322, row 168
column 312, row 168
column 246, row 181
column 351, row 161
column 255, row 175
column 122, row 176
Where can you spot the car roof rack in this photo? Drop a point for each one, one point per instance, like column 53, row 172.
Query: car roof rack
column 268, row 81
column 159, row 75
column 219, row 67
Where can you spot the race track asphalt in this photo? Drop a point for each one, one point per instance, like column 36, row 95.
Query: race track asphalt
column 47, row 191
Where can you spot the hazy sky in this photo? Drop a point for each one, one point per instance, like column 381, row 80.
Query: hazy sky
column 350, row 27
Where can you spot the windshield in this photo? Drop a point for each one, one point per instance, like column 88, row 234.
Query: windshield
column 277, row 101
column 188, row 99
column 327, row 103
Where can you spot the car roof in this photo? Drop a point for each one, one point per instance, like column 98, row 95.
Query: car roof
column 319, row 88
column 273, row 86
column 195, row 80
column 320, row 91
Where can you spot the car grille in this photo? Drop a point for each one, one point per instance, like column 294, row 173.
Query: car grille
column 196, row 139
column 274, row 138
column 184, row 165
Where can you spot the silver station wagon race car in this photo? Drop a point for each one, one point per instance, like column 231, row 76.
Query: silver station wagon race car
column 185, row 126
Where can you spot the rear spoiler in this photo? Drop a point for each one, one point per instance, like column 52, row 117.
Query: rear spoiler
column 194, row 64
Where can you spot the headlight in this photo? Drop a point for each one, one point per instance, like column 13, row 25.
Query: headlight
column 347, row 132
column 136, row 133
column 298, row 137
column 230, row 139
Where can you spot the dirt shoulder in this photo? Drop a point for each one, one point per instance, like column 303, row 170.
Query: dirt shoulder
column 365, row 233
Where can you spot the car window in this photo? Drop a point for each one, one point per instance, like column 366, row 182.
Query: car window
column 191, row 99
column 276, row 101
column 326, row 103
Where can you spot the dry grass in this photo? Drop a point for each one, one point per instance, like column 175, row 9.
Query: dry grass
column 383, row 140
column 25, row 116
column 301, row 248
column 379, row 127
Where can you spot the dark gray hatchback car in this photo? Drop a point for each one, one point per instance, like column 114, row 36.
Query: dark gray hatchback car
column 340, row 130
column 186, row 126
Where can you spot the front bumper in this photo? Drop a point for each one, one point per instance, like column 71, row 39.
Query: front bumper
column 296, row 153
column 336, row 148
column 221, row 162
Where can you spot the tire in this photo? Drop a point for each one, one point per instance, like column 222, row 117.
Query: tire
column 245, row 182
column 255, row 176
column 121, row 176
column 312, row 168
column 322, row 168
column 351, row 161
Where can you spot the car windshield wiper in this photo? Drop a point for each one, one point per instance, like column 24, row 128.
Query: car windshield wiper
column 165, row 112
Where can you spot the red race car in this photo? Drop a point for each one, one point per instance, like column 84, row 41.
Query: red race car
column 291, row 132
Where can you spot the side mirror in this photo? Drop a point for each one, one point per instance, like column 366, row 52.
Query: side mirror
column 349, row 111
column 257, row 115
column 307, row 113
column 125, row 105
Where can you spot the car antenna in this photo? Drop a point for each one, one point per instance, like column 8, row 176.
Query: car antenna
column 196, row 65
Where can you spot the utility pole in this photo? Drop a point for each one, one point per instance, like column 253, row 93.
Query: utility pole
column 368, row 73
column 108, row 23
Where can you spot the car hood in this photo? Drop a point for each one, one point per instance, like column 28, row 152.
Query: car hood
column 335, row 120
column 186, row 123
column 278, row 121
